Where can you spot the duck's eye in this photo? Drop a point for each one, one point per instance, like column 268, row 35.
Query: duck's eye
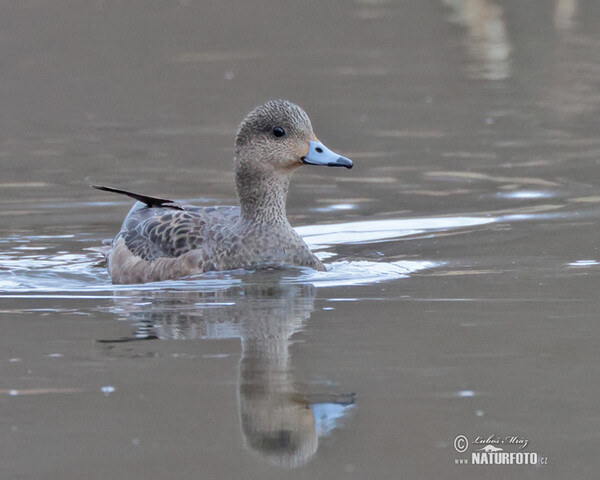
column 278, row 132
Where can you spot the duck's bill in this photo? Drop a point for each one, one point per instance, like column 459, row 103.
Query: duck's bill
column 319, row 154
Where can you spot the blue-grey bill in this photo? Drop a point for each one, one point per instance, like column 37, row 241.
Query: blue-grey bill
column 319, row 154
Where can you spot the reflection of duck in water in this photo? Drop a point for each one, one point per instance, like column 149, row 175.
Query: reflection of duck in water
column 278, row 422
column 164, row 240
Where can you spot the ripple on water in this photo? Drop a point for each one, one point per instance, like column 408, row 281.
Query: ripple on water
column 41, row 264
column 375, row 231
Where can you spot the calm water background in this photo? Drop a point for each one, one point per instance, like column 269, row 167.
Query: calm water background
column 462, row 296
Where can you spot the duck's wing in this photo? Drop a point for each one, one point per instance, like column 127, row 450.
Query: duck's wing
column 161, row 239
column 160, row 227
column 155, row 232
column 163, row 244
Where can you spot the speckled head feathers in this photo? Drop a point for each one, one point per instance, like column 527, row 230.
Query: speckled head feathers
column 273, row 137
column 274, row 113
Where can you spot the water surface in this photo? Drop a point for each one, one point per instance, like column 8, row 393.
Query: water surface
column 461, row 296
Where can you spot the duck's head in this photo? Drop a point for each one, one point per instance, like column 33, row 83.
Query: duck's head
column 277, row 137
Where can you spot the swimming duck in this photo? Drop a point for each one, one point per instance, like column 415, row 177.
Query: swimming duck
column 161, row 239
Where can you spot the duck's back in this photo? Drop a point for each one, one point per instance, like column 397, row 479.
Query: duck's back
column 170, row 242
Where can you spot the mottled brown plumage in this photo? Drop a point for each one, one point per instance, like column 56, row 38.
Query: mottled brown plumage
column 162, row 240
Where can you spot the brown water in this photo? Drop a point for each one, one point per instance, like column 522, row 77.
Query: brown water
column 463, row 248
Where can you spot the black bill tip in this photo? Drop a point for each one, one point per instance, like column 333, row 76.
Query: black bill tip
column 342, row 162
column 338, row 162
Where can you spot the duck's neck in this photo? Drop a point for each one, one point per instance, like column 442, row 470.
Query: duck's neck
column 262, row 195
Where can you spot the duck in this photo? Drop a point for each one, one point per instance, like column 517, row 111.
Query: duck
column 162, row 239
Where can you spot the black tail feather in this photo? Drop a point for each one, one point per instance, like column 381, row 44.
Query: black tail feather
column 150, row 201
